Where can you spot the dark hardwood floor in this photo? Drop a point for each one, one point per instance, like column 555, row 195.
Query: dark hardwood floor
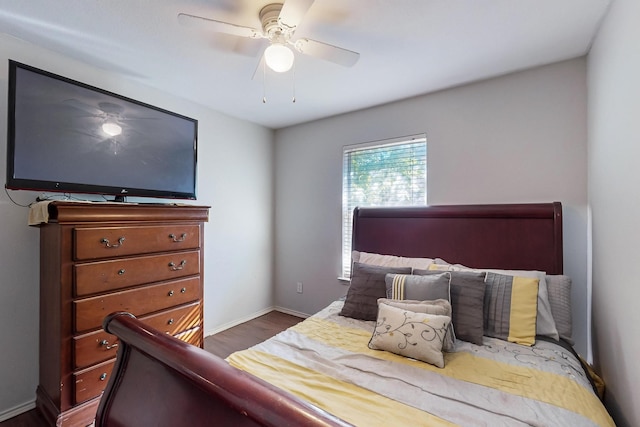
column 221, row 344
column 28, row 419
column 249, row 333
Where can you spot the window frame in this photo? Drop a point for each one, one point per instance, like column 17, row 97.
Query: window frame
column 347, row 207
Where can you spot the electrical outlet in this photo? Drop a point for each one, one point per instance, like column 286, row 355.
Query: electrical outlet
column 299, row 287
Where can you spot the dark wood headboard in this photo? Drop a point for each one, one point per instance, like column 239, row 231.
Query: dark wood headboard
column 510, row 236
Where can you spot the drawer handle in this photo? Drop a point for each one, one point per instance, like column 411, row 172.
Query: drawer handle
column 106, row 243
column 178, row 239
column 103, row 376
column 183, row 290
column 170, row 322
column 106, row 345
column 170, row 293
column 174, row 267
column 121, row 272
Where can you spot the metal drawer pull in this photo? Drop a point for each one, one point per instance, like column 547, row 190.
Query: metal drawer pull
column 183, row 290
column 178, row 239
column 121, row 272
column 170, row 322
column 106, row 345
column 106, row 243
column 103, row 376
column 175, row 267
column 170, row 293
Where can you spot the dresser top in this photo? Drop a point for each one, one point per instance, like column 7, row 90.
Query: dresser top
column 75, row 212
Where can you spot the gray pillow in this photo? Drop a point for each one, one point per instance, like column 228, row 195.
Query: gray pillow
column 559, row 289
column 545, row 324
column 467, row 303
column 418, row 288
column 511, row 308
column 367, row 285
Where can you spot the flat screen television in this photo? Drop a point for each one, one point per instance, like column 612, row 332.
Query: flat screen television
column 70, row 137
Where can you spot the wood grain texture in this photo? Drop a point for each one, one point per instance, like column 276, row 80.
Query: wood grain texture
column 516, row 236
column 237, row 338
column 159, row 380
column 97, row 258
column 30, row 418
column 509, row 236
column 250, row 333
column 121, row 212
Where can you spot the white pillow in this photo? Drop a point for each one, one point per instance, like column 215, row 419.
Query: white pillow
column 390, row 260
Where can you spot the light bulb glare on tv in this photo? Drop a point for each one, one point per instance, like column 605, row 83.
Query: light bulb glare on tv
column 111, row 129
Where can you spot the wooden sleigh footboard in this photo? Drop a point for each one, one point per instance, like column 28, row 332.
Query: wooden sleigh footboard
column 159, row 381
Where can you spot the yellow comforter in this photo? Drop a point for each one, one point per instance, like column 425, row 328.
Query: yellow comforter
column 325, row 360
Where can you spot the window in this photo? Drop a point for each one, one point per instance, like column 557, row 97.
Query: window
column 382, row 173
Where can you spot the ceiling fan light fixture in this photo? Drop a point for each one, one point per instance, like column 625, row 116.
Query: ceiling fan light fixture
column 279, row 57
column 111, row 129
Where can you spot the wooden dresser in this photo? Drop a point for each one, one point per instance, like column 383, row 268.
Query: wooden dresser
column 99, row 258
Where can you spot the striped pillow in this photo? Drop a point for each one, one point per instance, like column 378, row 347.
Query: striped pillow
column 510, row 308
column 419, row 288
column 559, row 288
column 467, row 303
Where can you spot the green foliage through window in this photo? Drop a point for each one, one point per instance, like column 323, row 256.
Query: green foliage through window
column 383, row 174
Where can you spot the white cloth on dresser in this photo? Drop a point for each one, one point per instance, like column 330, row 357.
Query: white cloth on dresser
column 39, row 212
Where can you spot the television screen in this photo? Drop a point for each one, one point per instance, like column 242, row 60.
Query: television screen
column 66, row 136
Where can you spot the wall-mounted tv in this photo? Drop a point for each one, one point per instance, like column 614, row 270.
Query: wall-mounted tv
column 66, row 136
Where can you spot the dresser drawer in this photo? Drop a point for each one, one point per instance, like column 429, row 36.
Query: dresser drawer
column 102, row 276
column 192, row 336
column 89, row 312
column 175, row 320
column 91, row 382
column 99, row 346
column 92, row 348
column 109, row 242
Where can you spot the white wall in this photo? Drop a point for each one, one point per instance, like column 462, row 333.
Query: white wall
column 235, row 171
column 614, row 197
column 517, row 138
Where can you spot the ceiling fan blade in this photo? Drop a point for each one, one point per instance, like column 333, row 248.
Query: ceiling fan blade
column 199, row 22
column 337, row 55
column 248, row 47
column 293, row 11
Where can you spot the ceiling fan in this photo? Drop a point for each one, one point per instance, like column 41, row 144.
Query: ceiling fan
column 279, row 22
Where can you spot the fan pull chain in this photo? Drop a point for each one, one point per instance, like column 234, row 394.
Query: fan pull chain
column 294, row 83
column 264, row 79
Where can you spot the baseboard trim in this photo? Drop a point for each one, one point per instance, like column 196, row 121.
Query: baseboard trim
column 17, row 410
column 291, row 312
column 236, row 322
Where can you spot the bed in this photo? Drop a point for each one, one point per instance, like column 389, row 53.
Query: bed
column 469, row 359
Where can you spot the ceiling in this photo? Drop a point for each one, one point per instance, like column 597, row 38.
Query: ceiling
column 407, row 47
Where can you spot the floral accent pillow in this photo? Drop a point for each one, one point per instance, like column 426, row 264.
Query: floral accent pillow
column 416, row 335
column 441, row 307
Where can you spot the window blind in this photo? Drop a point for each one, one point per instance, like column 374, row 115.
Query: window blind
column 382, row 173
